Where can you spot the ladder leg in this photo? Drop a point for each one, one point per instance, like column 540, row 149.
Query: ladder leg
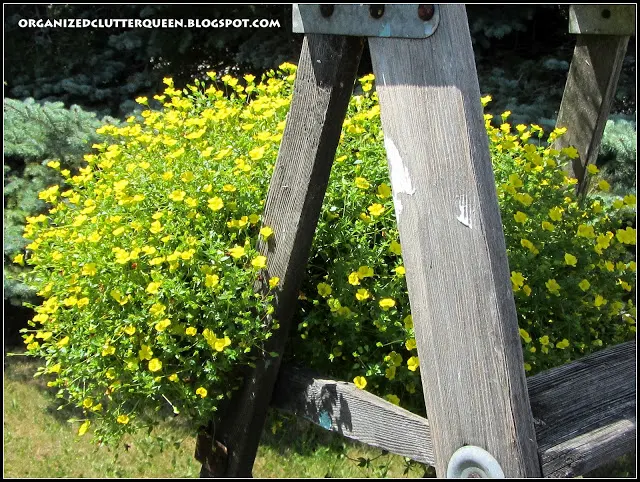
column 323, row 86
column 453, row 246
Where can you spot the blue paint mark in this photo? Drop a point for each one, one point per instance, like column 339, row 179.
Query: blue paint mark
column 325, row 420
column 386, row 31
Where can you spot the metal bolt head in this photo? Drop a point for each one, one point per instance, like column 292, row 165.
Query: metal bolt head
column 426, row 12
column 326, row 10
column 376, row 11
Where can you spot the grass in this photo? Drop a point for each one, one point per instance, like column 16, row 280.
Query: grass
column 39, row 442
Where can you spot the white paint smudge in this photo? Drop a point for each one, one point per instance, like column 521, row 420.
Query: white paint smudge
column 465, row 212
column 400, row 180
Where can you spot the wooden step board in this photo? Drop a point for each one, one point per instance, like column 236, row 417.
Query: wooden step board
column 584, row 412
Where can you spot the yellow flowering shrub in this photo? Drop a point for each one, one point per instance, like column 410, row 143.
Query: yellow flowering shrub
column 147, row 260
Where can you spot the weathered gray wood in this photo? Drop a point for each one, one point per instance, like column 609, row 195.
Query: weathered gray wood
column 587, row 98
column 343, row 408
column 602, row 19
column 322, row 89
column 584, row 412
column 453, row 246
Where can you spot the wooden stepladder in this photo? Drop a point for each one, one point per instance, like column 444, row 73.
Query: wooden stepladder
column 479, row 414
column 603, row 33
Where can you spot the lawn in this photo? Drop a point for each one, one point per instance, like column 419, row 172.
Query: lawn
column 39, row 442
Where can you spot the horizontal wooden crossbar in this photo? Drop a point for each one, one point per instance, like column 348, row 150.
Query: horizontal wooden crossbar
column 584, row 412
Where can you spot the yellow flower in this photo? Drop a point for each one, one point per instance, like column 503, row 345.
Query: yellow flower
column 413, row 363
column 177, row 195
column 130, row 330
column 362, row 294
column 626, row 236
column 89, row 269
column 524, row 198
column 360, row 382
column 191, row 331
column 63, row 342
column 599, row 301
column 354, row 279
column 400, row 270
column 585, row 231
column 365, row 272
column 123, row 419
column 411, row 344
column 215, row 203
column 384, row 191
column 584, row 285
column 19, row 259
column 387, row 303
column 259, row 262
column 155, row 365
column 257, row 153
column 592, row 169
column 173, row 377
column 155, row 228
column 145, row 353
column 273, row 282
column 485, row 100
column 393, row 399
column 562, row 344
column 604, row 186
column 515, row 181
column 570, row 259
column 556, row 213
column 108, row 350
column 83, row 428
column 395, row 248
column 237, row 252
column 87, row 403
column 618, row 204
column 630, row 200
column 408, row 322
column 362, row 183
column 553, row 286
column 163, row 325
column 527, row 290
column 376, row 209
column 265, row 232
column 525, row 335
column 547, row 226
column 211, row 280
column 202, row 392
column 517, row 280
column 82, row 302
column 324, row 289
column 390, row 372
column 221, row 343
column 157, row 309
column 529, row 245
column 520, row 217
column 153, row 287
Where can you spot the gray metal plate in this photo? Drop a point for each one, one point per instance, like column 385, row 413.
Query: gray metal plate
column 602, row 19
column 397, row 21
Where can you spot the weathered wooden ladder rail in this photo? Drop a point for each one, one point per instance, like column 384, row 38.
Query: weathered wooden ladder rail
column 484, row 417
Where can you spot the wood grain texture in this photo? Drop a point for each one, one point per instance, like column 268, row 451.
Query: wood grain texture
column 587, row 98
column 322, row 89
column 453, row 246
column 584, row 412
column 343, row 408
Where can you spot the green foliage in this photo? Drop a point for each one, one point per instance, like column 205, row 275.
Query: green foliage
column 617, row 157
column 147, row 259
column 35, row 134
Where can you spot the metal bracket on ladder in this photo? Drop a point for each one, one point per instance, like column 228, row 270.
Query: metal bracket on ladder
column 400, row 21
